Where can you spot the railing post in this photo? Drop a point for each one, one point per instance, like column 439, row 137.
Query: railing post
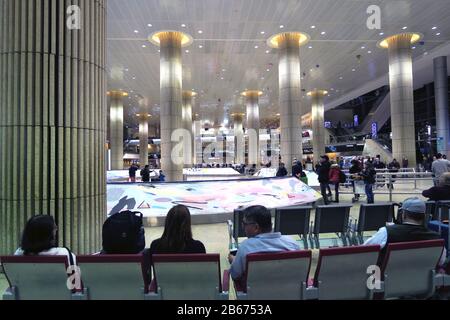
column 390, row 188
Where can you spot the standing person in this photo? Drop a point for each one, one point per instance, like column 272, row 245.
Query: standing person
column 323, row 172
column 282, row 172
column 162, row 177
column 335, row 179
column 393, row 167
column 297, row 169
column 439, row 167
column 132, row 172
column 405, row 163
column 369, row 177
column 145, row 174
column 354, row 171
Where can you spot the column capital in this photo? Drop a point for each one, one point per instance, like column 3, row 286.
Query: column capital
column 277, row 40
column 143, row 115
column 189, row 94
column 238, row 116
column 184, row 38
column 317, row 93
column 411, row 36
column 252, row 93
column 117, row 94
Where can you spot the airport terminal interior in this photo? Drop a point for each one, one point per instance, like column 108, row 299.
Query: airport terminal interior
column 329, row 118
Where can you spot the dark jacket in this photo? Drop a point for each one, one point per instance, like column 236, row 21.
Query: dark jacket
column 132, row 171
column 437, row 193
column 408, row 233
column 369, row 175
column 323, row 171
column 297, row 170
column 282, row 172
column 145, row 174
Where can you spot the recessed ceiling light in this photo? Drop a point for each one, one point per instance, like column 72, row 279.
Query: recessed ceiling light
column 353, row 70
column 256, row 47
column 149, row 25
column 268, row 70
column 200, row 31
column 363, row 47
column 200, row 46
column 183, row 25
column 281, row 27
column 426, row 53
column 381, row 33
column 413, row 48
column 223, row 70
column 262, row 78
column 434, row 28
column 267, row 51
column 310, row 47
column 159, row 50
column 187, row 51
column 340, row 78
column 144, row 46
column 369, row 52
column 313, row 27
column 323, row 33
column 136, row 31
column 222, row 78
column 263, row 32
column 438, row 34
column 404, row 28
column 134, row 78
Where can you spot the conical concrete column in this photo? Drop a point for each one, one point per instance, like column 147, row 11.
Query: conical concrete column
column 402, row 98
column 116, row 128
column 318, row 123
column 171, row 78
column 253, row 123
column 442, row 112
column 239, row 141
column 189, row 150
column 288, row 45
column 52, row 121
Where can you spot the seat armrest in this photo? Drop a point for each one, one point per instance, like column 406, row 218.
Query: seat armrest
column 226, row 281
column 10, row 294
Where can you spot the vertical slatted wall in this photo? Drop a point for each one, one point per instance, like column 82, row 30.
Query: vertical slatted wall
column 52, row 120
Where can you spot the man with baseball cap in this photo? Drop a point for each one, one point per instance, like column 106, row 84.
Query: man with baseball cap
column 412, row 229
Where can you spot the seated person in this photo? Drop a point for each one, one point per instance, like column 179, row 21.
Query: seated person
column 258, row 228
column 412, row 228
column 177, row 237
column 39, row 239
column 440, row 192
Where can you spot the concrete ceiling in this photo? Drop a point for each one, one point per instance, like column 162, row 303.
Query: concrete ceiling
column 229, row 53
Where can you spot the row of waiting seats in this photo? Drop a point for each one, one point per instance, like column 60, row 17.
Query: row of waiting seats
column 406, row 270
column 333, row 219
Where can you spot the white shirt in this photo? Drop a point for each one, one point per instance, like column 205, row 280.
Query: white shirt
column 380, row 238
column 51, row 252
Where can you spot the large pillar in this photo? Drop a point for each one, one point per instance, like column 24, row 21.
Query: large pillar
column 442, row 112
column 52, row 121
column 116, row 128
column 143, row 117
column 239, row 141
column 171, row 81
column 402, row 98
column 189, row 150
column 252, row 105
column 288, row 45
column 318, row 124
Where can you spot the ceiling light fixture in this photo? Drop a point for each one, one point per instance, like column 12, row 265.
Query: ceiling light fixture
column 310, row 47
column 363, row 47
column 381, row 33
column 369, row 52
column 200, row 46
column 263, row 32
column 183, row 25
column 267, row 51
column 144, row 46
column 187, row 51
column 200, row 31
column 323, row 33
column 149, row 25
column 438, row 34
column 434, row 28
column 281, row 27
column 136, row 31
column 313, row 27
column 256, row 47
column 404, row 28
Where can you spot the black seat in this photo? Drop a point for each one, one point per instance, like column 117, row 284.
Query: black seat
column 372, row 217
column 235, row 228
column 294, row 220
column 332, row 219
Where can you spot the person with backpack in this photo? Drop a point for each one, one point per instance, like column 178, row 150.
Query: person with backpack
column 369, row 176
column 123, row 233
column 336, row 177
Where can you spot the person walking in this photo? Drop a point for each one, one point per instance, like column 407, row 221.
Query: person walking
column 439, row 167
column 145, row 174
column 323, row 172
column 369, row 177
column 335, row 179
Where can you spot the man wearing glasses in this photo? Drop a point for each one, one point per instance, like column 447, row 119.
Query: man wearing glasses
column 258, row 228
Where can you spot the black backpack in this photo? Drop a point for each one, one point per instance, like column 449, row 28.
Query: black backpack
column 123, row 233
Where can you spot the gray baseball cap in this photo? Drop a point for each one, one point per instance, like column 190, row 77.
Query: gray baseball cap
column 414, row 205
